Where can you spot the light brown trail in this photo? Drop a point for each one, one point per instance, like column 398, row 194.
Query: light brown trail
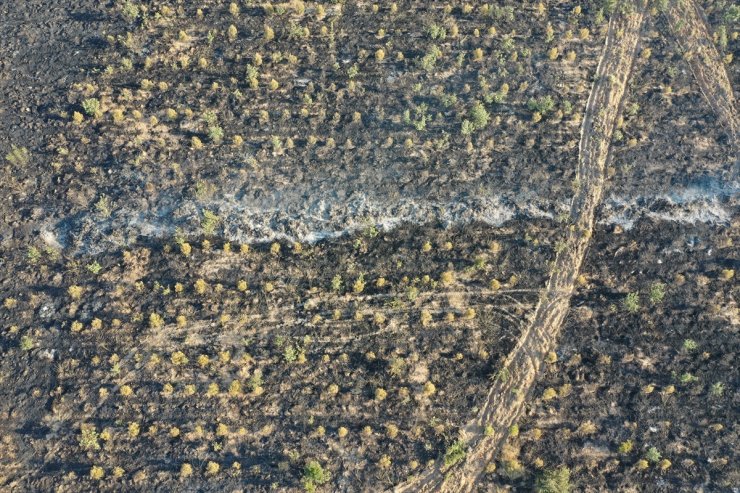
column 508, row 395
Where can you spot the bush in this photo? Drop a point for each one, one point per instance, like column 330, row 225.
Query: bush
column 130, row 11
column 89, row 438
column 75, row 292
column 657, row 293
column 717, row 389
column 209, row 222
column 626, row 447
column 632, row 302
column 26, row 343
column 18, row 156
column 91, row 106
column 467, row 127
column 429, row 60
column 216, row 134
column 554, row 481
column 454, row 453
column 97, row 473
column 314, row 475
column 479, row 116
column 359, row 285
column 155, row 321
column 186, row 470
column 732, row 15
column 653, row 455
column 437, row 32
column 541, row 105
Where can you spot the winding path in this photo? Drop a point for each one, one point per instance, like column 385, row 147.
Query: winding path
column 691, row 33
column 507, row 397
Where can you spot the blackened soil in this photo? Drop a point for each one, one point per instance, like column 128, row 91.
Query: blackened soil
column 663, row 377
column 284, row 362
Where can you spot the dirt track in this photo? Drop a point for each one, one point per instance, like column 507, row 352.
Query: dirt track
column 689, row 29
column 508, row 395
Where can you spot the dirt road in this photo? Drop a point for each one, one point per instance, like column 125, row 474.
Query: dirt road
column 508, row 395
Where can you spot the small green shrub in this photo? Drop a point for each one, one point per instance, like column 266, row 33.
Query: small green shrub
column 610, row 6
column 27, row 343
column 91, row 107
column 690, row 345
column 429, row 60
column 467, row 127
column 209, row 222
column 102, row 206
column 89, row 438
column 290, row 354
column 353, row 71
column 437, row 32
column 216, row 134
column 314, row 475
column 336, row 283
column 717, row 389
column 18, row 156
column 688, row 378
column 33, row 255
column 130, row 11
column 479, row 116
column 657, row 293
column 653, row 455
column 454, row 453
column 554, row 481
column 732, row 15
column 541, row 105
column 631, row 302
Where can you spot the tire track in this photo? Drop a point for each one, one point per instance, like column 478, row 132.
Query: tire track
column 689, row 27
column 507, row 397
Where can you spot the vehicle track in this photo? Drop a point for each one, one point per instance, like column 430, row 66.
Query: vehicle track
column 689, row 28
column 507, row 397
